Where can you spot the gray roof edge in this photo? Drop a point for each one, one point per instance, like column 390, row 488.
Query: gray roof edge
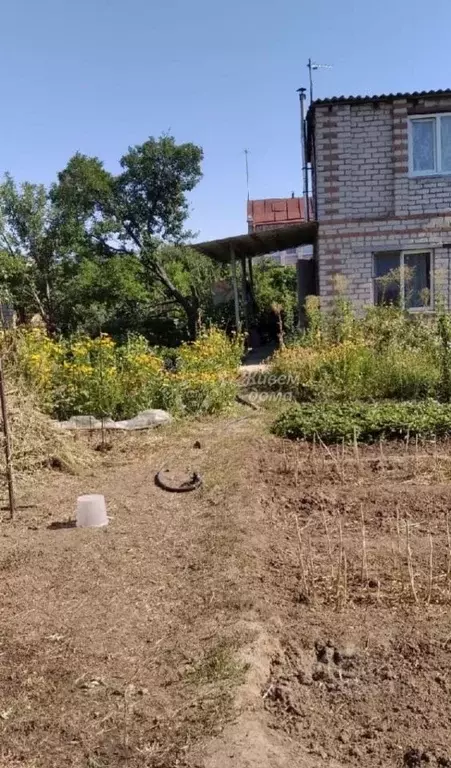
column 380, row 97
column 255, row 243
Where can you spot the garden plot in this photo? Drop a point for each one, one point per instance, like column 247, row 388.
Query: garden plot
column 362, row 567
column 293, row 611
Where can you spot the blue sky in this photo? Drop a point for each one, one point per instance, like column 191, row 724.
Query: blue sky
column 99, row 75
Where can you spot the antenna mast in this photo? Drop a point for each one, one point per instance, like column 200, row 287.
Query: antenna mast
column 246, row 155
column 312, row 65
column 304, row 165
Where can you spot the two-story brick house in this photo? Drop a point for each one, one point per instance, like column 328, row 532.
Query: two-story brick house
column 381, row 173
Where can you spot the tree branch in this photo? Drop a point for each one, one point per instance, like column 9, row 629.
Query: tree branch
column 109, row 247
column 9, row 247
column 161, row 274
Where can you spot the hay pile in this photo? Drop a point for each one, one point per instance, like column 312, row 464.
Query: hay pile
column 36, row 441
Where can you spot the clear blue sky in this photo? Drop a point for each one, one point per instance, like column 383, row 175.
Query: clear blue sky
column 99, row 75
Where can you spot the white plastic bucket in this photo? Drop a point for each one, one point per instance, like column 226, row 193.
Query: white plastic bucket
column 91, row 511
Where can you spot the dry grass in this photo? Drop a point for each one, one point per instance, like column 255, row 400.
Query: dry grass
column 36, row 441
column 350, row 566
column 118, row 645
column 361, row 573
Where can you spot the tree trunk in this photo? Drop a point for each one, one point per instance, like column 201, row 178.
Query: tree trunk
column 192, row 315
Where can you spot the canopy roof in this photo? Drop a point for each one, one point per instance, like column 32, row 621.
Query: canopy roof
column 261, row 242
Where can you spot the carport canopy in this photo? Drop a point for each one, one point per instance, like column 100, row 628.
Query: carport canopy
column 247, row 247
column 259, row 243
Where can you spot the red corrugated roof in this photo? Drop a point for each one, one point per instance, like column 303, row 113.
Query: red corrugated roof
column 290, row 210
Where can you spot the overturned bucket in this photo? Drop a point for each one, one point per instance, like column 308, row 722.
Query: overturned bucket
column 91, row 511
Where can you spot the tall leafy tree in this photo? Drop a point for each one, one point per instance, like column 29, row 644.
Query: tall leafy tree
column 35, row 249
column 136, row 211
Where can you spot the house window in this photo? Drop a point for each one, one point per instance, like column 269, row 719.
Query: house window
column 430, row 145
column 403, row 278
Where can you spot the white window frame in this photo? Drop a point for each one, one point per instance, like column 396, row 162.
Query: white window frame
column 436, row 116
column 402, row 255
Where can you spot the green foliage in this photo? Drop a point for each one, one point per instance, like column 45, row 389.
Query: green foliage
column 352, row 371
column 90, row 253
column 444, row 354
column 275, row 284
column 334, row 422
column 387, row 353
column 137, row 210
column 35, row 248
column 99, row 292
column 82, row 375
column 15, row 285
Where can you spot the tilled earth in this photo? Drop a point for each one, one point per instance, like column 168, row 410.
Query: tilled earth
column 118, row 646
column 123, row 646
column 361, row 565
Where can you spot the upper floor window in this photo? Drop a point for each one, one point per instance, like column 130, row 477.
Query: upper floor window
column 430, row 144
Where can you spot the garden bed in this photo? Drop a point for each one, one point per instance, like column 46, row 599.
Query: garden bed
column 367, row 422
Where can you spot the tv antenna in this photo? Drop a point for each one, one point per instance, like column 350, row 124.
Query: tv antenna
column 246, row 155
column 313, row 66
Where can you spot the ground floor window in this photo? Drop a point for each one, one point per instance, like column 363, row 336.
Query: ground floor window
column 403, row 278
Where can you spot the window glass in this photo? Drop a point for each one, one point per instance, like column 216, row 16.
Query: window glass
column 423, row 145
column 417, row 280
column 387, row 278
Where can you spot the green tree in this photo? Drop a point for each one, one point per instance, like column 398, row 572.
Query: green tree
column 36, row 249
column 275, row 285
column 105, row 295
column 132, row 213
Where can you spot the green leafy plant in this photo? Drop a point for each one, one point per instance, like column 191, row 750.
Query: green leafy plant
column 100, row 377
column 387, row 353
column 334, row 422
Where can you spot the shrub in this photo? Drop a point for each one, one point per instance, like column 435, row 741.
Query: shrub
column 213, row 351
column 385, row 354
column 334, row 422
column 97, row 376
column 327, row 372
column 197, row 392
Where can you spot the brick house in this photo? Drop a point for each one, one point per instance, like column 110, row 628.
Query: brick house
column 381, row 177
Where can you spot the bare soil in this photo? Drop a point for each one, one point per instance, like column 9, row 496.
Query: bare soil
column 120, row 645
column 293, row 611
column 361, row 567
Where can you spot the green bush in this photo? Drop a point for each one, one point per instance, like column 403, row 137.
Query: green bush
column 390, row 420
column 97, row 376
column 386, row 353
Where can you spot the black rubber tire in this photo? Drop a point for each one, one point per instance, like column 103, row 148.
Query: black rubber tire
column 196, row 482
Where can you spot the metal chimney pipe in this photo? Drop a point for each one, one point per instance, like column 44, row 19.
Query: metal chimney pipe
column 302, row 97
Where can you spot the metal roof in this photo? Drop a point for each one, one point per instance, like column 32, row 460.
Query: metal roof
column 277, row 211
column 381, row 97
column 259, row 243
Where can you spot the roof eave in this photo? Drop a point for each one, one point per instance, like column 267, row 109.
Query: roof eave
column 387, row 97
column 259, row 243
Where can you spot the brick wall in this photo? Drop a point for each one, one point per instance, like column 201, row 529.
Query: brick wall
column 354, row 163
column 421, row 194
column 366, row 201
column 347, row 249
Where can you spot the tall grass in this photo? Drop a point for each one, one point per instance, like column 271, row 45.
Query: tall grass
column 385, row 354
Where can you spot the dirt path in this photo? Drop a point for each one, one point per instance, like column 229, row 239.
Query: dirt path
column 124, row 646
column 234, row 627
